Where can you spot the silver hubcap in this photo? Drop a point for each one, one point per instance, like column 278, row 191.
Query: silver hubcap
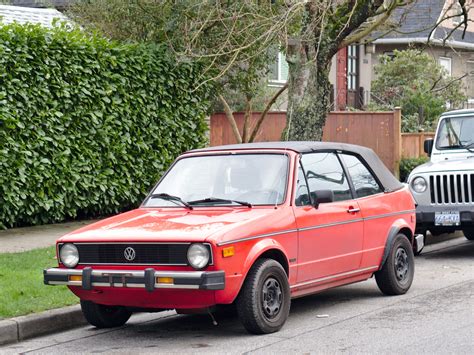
column 401, row 264
column 272, row 297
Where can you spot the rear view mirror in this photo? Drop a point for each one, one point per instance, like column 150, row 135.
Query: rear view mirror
column 428, row 146
column 322, row 196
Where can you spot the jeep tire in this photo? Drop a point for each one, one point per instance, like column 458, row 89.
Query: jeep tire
column 263, row 304
column 396, row 275
column 101, row 316
column 469, row 233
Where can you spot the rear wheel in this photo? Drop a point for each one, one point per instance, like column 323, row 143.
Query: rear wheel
column 396, row 275
column 101, row 316
column 263, row 304
column 469, row 233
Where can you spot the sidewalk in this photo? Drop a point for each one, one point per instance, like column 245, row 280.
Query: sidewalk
column 27, row 238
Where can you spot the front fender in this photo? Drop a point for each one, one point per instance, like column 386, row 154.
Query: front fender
column 256, row 250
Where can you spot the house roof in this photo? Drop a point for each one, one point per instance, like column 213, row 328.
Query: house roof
column 58, row 4
column 386, row 178
column 45, row 17
column 417, row 21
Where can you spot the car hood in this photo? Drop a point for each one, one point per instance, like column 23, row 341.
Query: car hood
column 445, row 166
column 146, row 225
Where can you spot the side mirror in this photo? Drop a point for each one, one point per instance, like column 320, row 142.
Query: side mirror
column 322, row 196
column 428, row 146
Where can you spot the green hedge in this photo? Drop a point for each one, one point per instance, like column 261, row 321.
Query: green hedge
column 408, row 164
column 87, row 126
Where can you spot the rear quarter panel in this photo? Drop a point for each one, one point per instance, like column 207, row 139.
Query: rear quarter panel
column 380, row 213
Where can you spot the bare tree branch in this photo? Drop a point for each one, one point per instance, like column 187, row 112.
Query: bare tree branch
column 265, row 112
column 451, row 82
column 231, row 119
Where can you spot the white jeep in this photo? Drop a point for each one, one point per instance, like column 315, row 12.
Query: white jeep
column 444, row 187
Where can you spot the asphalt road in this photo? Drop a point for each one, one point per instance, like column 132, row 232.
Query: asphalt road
column 435, row 316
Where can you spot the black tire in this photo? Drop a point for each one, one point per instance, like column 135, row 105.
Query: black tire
column 469, row 233
column 396, row 275
column 101, row 316
column 262, row 314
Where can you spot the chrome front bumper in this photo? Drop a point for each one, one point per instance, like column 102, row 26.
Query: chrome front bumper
column 148, row 279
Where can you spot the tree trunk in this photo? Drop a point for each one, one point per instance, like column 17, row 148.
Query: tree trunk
column 309, row 92
column 247, row 118
column 230, row 117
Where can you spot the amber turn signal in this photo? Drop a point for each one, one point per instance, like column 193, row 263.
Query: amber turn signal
column 164, row 280
column 75, row 278
column 227, row 252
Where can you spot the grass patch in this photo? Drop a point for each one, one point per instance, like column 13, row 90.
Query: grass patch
column 21, row 284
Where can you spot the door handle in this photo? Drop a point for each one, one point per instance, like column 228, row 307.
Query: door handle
column 353, row 210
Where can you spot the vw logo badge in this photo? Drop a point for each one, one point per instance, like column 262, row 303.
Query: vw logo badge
column 129, row 253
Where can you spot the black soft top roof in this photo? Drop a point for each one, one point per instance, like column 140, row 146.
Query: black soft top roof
column 385, row 177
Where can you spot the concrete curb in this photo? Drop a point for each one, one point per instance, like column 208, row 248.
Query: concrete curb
column 17, row 329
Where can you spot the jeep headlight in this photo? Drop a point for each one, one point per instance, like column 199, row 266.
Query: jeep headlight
column 69, row 255
column 419, row 184
column 198, row 255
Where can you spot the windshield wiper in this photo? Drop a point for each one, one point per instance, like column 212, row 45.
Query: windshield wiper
column 171, row 198
column 469, row 146
column 223, row 200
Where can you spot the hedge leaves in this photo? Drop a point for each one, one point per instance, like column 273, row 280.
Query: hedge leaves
column 87, row 126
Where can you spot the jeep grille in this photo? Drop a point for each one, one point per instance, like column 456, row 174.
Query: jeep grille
column 452, row 188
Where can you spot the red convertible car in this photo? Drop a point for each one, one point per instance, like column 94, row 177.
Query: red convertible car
column 252, row 225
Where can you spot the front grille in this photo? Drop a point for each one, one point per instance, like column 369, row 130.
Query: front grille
column 452, row 188
column 145, row 253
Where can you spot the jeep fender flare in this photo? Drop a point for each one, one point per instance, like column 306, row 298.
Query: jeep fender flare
column 399, row 226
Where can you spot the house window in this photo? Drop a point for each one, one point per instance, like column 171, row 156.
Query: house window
column 446, row 64
column 279, row 70
column 352, row 68
column 470, row 80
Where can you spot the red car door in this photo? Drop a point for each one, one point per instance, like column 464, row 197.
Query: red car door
column 376, row 207
column 330, row 236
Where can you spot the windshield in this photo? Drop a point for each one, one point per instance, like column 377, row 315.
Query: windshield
column 456, row 132
column 219, row 180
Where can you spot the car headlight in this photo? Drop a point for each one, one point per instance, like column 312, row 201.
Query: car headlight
column 419, row 184
column 69, row 255
column 198, row 255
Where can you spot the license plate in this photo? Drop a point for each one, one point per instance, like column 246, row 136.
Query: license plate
column 447, row 218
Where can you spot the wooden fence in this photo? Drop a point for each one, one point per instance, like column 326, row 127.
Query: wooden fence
column 413, row 144
column 271, row 128
column 377, row 130
column 380, row 131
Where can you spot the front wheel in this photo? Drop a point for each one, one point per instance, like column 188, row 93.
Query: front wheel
column 263, row 304
column 101, row 316
column 396, row 275
column 469, row 233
